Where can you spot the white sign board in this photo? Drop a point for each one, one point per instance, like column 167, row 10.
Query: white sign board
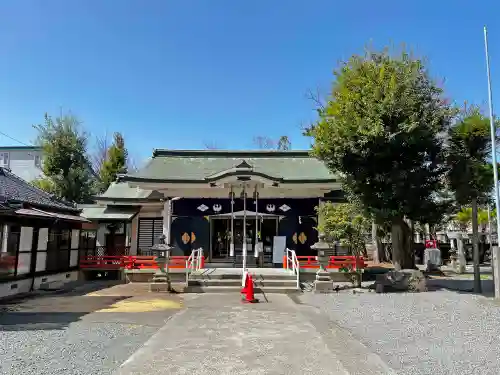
column 279, row 248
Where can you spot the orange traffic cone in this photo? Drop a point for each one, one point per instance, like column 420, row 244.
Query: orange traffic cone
column 249, row 295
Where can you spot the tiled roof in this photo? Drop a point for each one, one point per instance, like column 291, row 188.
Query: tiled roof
column 122, row 190
column 14, row 188
column 197, row 165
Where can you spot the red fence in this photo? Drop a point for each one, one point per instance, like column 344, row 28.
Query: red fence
column 115, row 262
column 336, row 262
column 130, row 262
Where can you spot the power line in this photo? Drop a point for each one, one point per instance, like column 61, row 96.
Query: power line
column 14, row 139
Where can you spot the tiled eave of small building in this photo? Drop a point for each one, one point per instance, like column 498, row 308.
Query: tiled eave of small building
column 19, row 198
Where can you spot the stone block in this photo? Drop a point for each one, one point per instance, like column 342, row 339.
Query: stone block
column 404, row 280
column 432, row 259
column 323, row 286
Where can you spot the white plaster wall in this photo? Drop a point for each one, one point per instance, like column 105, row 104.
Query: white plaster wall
column 101, row 235
column 41, row 255
column 23, row 286
column 134, row 230
column 43, row 238
column 26, row 240
column 75, row 243
column 75, row 238
column 25, row 244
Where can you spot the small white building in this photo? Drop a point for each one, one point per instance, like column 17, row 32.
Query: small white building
column 23, row 161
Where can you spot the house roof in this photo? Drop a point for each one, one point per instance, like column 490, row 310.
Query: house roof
column 15, row 189
column 109, row 212
column 122, row 190
column 207, row 165
column 20, row 148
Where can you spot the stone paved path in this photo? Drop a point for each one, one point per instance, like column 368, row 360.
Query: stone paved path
column 217, row 334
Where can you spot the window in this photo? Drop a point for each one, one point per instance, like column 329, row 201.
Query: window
column 10, row 236
column 87, row 242
column 37, row 161
column 58, row 250
column 4, row 159
column 149, row 232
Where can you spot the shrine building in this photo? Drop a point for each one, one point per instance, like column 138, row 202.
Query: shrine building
column 228, row 203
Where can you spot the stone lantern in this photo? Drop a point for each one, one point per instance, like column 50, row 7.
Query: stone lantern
column 323, row 283
column 161, row 252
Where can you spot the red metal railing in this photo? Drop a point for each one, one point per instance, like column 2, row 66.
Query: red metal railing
column 336, row 262
column 105, row 262
column 131, row 262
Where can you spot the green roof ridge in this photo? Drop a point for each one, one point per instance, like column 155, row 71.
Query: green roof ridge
column 231, row 153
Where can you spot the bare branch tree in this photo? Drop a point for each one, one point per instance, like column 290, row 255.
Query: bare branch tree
column 132, row 165
column 317, row 98
column 210, row 145
column 264, row 143
column 100, row 153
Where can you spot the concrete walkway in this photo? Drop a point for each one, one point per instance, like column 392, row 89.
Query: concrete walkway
column 217, row 334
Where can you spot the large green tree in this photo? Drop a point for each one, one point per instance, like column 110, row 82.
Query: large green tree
column 470, row 172
column 66, row 168
column 381, row 129
column 114, row 163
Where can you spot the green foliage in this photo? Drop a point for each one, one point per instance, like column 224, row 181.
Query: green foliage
column 464, row 217
column 381, row 129
column 44, row 184
column 116, row 162
column 344, row 222
column 470, row 173
column 65, row 164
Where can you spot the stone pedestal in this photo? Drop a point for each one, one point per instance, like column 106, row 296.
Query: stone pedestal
column 495, row 263
column 432, row 259
column 461, row 256
column 323, row 282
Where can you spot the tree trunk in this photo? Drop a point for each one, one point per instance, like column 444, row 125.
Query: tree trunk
column 379, row 253
column 376, row 254
column 402, row 252
column 475, row 248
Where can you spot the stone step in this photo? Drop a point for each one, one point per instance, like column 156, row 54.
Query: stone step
column 237, row 283
column 237, row 289
column 235, row 276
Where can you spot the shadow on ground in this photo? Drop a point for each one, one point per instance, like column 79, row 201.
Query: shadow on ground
column 460, row 286
column 54, row 310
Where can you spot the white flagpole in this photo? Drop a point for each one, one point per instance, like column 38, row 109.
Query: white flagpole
column 244, row 229
column 231, row 245
column 493, row 134
column 494, row 252
column 256, row 246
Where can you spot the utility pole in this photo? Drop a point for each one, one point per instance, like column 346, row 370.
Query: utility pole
column 495, row 165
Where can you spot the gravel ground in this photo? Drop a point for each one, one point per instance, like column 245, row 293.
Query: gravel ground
column 82, row 348
column 440, row 332
column 61, row 334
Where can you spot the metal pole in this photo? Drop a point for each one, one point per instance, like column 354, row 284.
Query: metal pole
column 256, row 247
column 493, row 133
column 489, row 226
column 231, row 245
column 244, row 229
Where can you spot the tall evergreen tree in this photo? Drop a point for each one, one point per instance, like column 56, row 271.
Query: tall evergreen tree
column 470, row 172
column 116, row 162
column 66, row 168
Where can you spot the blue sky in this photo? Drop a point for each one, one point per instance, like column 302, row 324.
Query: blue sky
column 179, row 74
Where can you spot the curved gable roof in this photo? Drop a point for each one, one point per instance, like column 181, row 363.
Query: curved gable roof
column 200, row 166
